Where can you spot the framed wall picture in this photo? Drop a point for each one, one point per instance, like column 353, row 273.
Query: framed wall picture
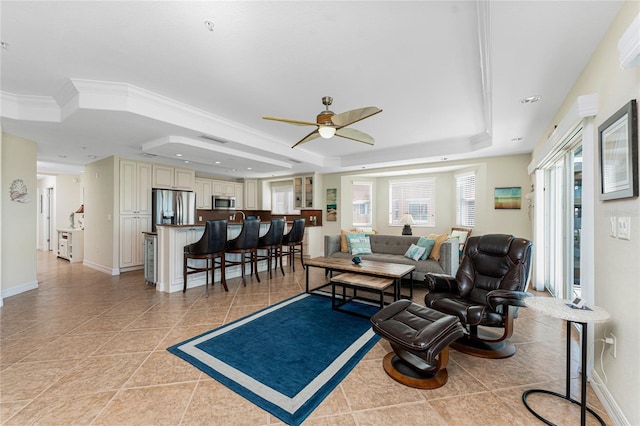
column 508, row 198
column 332, row 205
column 618, row 148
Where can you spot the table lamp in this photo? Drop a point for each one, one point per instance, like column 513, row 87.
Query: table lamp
column 407, row 221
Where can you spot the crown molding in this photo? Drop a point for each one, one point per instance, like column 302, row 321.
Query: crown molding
column 28, row 107
column 629, row 45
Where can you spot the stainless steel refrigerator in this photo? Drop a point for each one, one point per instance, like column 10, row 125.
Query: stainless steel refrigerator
column 173, row 207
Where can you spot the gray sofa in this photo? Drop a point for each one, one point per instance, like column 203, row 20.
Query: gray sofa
column 391, row 248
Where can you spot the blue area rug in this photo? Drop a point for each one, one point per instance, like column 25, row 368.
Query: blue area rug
column 285, row 358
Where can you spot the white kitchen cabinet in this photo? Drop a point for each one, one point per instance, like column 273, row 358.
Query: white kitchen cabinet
column 221, row 187
column 132, row 239
column 251, row 194
column 238, row 193
column 163, row 177
column 71, row 244
column 184, row 179
column 204, row 191
column 166, row 177
column 135, row 187
column 313, row 242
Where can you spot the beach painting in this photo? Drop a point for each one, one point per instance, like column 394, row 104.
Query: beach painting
column 508, row 198
column 332, row 205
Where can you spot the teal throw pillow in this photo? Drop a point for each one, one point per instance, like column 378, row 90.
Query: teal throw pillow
column 414, row 252
column 360, row 245
column 349, row 237
column 428, row 244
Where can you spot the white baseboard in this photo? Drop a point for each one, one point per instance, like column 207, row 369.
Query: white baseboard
column 21, row 288
column 610, row 404
column 101, row 268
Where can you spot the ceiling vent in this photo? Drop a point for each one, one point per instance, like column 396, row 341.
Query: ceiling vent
column 209, row 138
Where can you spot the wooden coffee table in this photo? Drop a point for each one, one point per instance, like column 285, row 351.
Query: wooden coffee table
column 394, row 271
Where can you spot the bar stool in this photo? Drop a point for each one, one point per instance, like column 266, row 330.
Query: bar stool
column 211, row 248
column 272, row 243
column 293, row 240
column 245, row 244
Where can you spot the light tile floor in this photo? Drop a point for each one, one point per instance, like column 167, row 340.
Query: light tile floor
column 89, row 348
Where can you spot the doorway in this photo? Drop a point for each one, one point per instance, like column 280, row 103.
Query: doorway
column 49, row 231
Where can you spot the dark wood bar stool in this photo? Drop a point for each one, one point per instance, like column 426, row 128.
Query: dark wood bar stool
column 245, row 244
column 272, row 243
column 211, row 248
column 293, row 241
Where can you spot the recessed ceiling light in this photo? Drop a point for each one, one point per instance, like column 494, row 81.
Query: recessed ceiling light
column 62, row 156
column 530, row 99
column 209, row 25
column 217, row 162
column 178, row 155
column 248, row 168
column 186, row 161
column 93, row 157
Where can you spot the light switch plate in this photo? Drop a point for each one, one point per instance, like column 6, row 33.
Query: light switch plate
column 624, row 228
column 613, row 226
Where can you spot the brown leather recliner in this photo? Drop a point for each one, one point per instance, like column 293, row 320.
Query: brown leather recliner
column 486, row 292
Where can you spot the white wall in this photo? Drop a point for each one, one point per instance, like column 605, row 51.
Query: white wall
column 69, row 190
column 68, row 193
column 616, row 262
column 491, row 172
column 101, row 233
column 19, row 233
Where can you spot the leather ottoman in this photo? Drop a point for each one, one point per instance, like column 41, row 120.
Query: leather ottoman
column 420, row 339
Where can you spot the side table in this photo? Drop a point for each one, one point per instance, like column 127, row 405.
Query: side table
column 559, row 308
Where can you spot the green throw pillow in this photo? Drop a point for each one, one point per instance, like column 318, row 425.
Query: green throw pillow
column 428, row 244
column 414, row 252
column 360, row 245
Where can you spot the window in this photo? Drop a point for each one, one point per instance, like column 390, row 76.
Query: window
column 466, row 199
column 416, row 197
column 361, row 195
column 282, row 199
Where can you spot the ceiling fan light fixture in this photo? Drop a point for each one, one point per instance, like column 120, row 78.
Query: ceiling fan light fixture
column 327, row 132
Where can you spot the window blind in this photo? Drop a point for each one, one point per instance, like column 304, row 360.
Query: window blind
column 416, row 197
column 466, row 199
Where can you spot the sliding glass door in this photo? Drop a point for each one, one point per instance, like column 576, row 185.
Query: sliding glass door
column 563, row 217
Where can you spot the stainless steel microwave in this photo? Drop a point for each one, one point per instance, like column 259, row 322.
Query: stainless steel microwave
column 221, row 202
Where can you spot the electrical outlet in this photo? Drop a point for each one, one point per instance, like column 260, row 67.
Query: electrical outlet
column 624, row 228
column 611, row 340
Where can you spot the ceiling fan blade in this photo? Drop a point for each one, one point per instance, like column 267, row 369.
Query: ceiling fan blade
column 311, row 136
column 349, row 117
column 355, row 135
column 295, row 122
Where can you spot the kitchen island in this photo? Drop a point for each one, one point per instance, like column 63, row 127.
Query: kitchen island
column 171, row 242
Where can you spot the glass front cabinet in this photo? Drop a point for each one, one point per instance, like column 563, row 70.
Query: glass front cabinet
column 303, row 192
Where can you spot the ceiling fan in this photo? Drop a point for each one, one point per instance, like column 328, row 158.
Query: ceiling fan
column 329, row 123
